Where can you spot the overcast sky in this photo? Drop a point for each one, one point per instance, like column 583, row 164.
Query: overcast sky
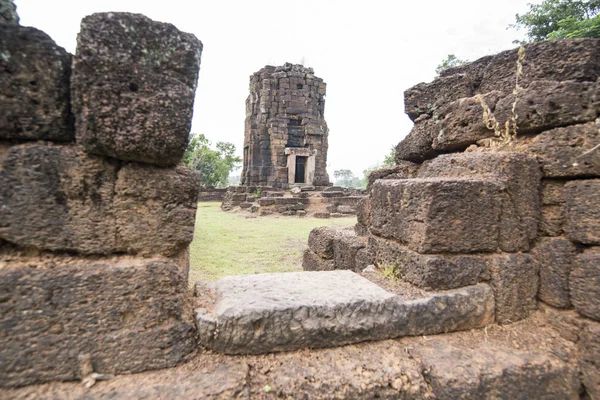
column 368, row 53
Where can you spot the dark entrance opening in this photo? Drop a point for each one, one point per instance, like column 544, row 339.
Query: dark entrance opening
column 300, row 169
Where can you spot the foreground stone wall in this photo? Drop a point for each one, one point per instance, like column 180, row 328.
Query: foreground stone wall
column 284, row 116
column 95, row 214
column 524, row 217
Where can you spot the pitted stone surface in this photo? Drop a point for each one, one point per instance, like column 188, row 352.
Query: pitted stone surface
column 582, row 211
column 34, row 84
column 8, row 12
column 134, row 81
column 437, row 215
column 278, row 312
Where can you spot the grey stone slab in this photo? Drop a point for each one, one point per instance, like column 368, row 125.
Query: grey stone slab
column 264, row 313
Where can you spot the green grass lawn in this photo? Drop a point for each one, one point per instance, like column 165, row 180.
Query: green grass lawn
column 228, row 243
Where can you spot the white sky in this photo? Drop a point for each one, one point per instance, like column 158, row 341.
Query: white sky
column 368, row 53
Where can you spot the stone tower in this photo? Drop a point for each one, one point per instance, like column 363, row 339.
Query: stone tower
column 285, row 133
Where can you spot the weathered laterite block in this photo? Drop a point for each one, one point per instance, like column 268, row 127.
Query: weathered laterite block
column 155, row 208
column 417, row 147
column 554, row 257
column 428, row 271
column 436, row 215
column 519, row 173
column 582, row 211
column 57, row 198
column 311, row 261
column 585, row 283
column 127, row 314
column 567, row 152
column 134, row 82
column 320, row 241
column 35, row 86
column 514, row 279
column 589, row 348
column 8, row 12
column 426, row 98
column 60, row 198
column 345, row 249
column 403, row 170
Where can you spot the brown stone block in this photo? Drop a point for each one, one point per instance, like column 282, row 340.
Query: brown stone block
column 8, row 12
column 417, row 146
column 568, row 323
column 320, row 241
column 35, row 86
column 554, row 60
column 565, row 152
column 582, row 211
column 584, row 282
column 514, row 279
column 551, row 220
column 436, row 215
column 462, row 124
column 312, row 262
column 127, row 314
column 428, row 271
column 589, row 350
column 426, row 98
column 403, row 170
column 57, row 198
column 552, row 192
column 155, row 208
column 520, row 174
column 554, row 256
column 133, row 87
column 345, row 247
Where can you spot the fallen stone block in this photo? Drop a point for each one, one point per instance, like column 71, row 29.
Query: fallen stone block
column 127, row 314
column 520, row 174
column 554, row 256
column 278, row 312
column 133, row 84
column 428, row 271
column 437, row 215
column 34, row 84
column 487, row 372
column 58, row 198
column 584, row 282
column 514, row 279
column 155, row 208
column 322, row 215
column 311, row 261
column 589, row 348
column 567, row 152
column 582, row 211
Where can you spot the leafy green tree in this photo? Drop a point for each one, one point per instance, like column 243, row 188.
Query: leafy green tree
column 390, row 159
column 450, row 62
column 214, row 165
column 556, row 19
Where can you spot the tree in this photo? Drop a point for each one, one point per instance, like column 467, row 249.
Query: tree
column 557, row 19
column 390, row 159
column 451, row 61
column 346, row 178
column 214, row 165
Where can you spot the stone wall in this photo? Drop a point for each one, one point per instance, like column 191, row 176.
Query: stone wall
column 284, row 120
column 96, row 214
column 211, row 193
column 524, row 217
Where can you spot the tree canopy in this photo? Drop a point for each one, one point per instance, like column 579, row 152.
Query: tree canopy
column 214, row 165
column 558, row 19
column 450, row 62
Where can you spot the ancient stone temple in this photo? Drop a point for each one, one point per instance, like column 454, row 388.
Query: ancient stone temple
column 285, row 134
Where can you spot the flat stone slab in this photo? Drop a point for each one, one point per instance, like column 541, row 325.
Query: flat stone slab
column 265, row 313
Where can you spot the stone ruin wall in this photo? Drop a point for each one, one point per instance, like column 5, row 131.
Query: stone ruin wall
column 284, row 110
column 523, row 218
column 96, row 212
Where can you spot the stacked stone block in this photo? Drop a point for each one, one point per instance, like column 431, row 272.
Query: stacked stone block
column 285, row 108
column 524, row 217
column 95, row 214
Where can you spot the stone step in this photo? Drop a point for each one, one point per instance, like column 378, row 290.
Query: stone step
column 265, row 313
